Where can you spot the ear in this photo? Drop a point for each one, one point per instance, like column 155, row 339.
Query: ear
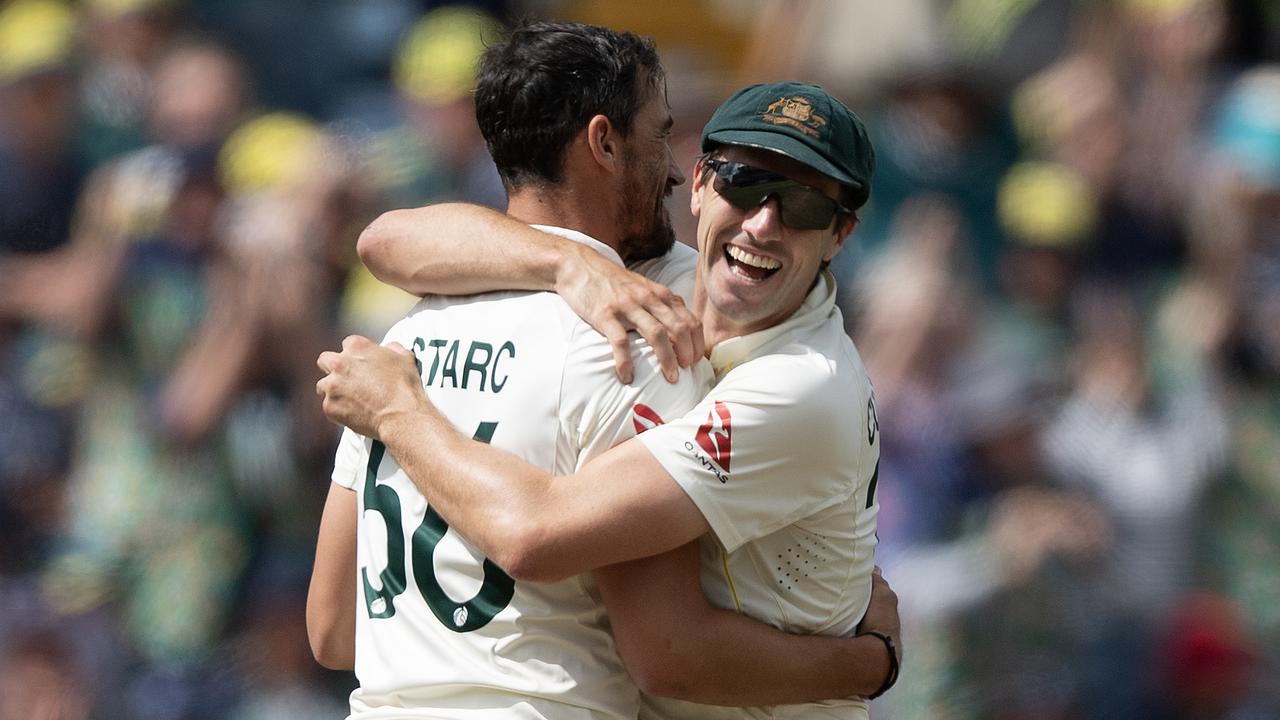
column 695, row 192
column 603, row 140
column 843, row 230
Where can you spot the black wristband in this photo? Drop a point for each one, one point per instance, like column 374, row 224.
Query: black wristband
column 893, row 664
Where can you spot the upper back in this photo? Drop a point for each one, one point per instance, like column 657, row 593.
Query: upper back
column 441, row 630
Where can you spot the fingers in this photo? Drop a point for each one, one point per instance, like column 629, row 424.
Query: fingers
column 683, row 330
column 620, row 345
column 614, row 301
column 328, row 361
column 356, row 342
column 662, row 319
column 655, row 333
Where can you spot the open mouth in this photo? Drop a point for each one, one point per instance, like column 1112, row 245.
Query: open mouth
column 749, row 265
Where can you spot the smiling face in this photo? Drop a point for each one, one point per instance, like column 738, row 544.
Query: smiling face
column 649, row 174
column 753, row 271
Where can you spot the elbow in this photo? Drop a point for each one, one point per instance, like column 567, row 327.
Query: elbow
column 526, row 551
column 661, row 674
column 375, row 242
column 659, row 683
column 330, row 652
column 331, row 659
column 330, row 645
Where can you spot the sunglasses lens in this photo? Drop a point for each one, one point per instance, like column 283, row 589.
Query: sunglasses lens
column 806, row 209
column 746, row 187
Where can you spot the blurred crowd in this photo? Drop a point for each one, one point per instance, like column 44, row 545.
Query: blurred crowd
column 1066, row 289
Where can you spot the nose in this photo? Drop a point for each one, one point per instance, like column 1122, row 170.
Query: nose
column 674, row 176
column 763, row 220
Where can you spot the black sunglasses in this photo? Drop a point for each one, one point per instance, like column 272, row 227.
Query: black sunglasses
column 800, row 207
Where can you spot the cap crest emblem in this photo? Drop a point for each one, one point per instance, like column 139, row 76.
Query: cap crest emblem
column 796, row 112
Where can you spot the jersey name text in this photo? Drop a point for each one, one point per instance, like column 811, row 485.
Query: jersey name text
column 478, row 369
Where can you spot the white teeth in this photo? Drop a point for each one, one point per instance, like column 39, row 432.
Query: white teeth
column 747, row 258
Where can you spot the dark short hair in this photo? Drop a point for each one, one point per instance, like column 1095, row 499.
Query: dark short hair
column 539, row 87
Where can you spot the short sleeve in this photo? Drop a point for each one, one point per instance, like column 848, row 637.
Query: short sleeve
column 350, row 460
column 675, row 269
column 778, row 439
column 353, row 448
column 600, row 411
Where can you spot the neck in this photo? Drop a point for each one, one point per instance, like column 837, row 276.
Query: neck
column 718, row 327
column 566, row 208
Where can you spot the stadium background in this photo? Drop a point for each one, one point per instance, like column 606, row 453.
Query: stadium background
column 1066, row 289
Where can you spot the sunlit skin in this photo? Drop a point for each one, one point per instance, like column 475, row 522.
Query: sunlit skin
column 729, row 302
column 649, row 175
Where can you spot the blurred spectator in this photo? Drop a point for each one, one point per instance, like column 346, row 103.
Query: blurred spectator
column 281, row 679
column 1206, row 662
column 1146, row 450
column 432, row 149
column 912, row 318
column 936, row 133
column 123, row 40
column 38, row 680
column 438, row 153
column 38, row 175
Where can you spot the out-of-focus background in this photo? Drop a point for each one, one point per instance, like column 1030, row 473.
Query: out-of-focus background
column 1066, row 288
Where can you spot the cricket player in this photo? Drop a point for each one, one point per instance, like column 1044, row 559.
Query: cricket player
column 775, row 469
column 441, row 630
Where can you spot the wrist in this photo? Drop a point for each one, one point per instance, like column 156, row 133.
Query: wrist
column 394, row 421
column 569, row 265
column 891, row 649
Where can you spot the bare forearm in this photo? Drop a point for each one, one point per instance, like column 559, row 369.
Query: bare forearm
column 486, row 495
column 458, row 249
column 677, row 644
column 331, row 620
column 746, row 663
column 621, row 506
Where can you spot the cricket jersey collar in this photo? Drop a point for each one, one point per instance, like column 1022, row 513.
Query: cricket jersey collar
column 583, row 239
column 814, row 311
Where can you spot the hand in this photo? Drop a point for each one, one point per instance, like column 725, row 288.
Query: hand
column 365, row 384
column 882, row 612
column 1029, row 524
column 613, row 301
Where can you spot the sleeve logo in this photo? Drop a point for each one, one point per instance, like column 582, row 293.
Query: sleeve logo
column 644, row 418
column 716, row 436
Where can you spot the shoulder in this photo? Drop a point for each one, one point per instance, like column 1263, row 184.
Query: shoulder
column 802, row 373
column 675, row 270
column 826, row 391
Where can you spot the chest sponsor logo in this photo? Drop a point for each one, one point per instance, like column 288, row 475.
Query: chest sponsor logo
column 715, row 438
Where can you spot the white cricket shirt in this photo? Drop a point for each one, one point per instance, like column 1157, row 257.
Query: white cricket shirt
column 782, row 459
column 441, row 632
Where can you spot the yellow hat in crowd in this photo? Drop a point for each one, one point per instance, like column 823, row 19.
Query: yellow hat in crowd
column 35, row 35
column 438, row 57
column 1046, row 205
column 268, row 151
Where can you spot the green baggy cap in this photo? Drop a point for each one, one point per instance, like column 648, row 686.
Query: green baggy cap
column 802, row 122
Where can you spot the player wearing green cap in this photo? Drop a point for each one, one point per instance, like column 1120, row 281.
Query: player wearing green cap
column 773, row 473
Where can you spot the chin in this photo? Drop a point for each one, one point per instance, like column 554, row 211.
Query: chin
column 655, row 242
